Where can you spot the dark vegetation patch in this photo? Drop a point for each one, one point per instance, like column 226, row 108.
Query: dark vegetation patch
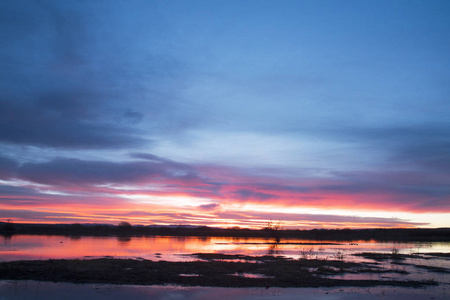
column 386, row 256
column 433, row 269
column 437, row 254
column 276, row 272
column 219, row 256
column 282, row 243
column 378, row 271
column 399, row 263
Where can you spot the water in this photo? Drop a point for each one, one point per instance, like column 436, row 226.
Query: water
column 32, row 290
column 32, row 247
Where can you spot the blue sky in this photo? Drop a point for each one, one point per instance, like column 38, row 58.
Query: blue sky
column 201, row 108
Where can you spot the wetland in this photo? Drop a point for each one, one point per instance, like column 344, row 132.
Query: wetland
column 231, row 262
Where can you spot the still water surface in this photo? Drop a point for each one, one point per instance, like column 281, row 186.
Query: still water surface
column 32, row 290
column 31, row 247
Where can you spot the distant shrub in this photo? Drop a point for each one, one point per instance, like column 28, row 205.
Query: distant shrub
column 308, row 253
column 124, row 227
column 124, row 224
column 339, row 255
column 395, row 252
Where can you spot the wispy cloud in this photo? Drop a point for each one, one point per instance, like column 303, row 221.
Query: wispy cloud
column 203, row 113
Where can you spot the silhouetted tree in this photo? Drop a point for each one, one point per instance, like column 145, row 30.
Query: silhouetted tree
column 275, row 229
column 124, row 227
column 124, row 224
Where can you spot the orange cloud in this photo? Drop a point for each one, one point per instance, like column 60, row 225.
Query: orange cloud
column 208, row 195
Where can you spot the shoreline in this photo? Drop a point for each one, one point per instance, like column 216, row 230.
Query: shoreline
column 379, row 234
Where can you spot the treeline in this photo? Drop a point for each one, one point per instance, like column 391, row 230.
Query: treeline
column 125, row 229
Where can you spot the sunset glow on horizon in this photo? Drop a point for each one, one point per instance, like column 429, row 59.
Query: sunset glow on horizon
column 226, row 113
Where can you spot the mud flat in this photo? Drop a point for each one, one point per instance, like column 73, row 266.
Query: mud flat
column 209, row 270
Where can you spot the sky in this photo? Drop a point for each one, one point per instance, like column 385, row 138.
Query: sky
column 318, row 114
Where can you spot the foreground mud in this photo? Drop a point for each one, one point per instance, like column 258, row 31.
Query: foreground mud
column 215, row 270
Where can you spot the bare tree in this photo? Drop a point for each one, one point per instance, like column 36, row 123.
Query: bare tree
column 275, row 229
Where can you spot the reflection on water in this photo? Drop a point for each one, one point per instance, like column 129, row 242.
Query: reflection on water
column 274, row 249
column 124, row 239
column 20, row 247
column 6, row 238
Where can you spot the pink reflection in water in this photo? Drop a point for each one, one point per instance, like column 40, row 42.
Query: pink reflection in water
column 30, row 247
